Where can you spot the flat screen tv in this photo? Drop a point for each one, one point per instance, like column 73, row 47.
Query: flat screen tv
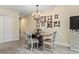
column 74, row 22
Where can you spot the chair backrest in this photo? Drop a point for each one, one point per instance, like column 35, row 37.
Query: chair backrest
column 51, row 36
column 29, row 37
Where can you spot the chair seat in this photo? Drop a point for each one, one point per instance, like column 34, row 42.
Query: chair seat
column 33, row 41
column 47, row 40
column 47, row 43
column 47, row 46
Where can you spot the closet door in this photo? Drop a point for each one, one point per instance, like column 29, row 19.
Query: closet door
column 8, row 28
column 15, row 28
column 11, row 28
column 1, row 29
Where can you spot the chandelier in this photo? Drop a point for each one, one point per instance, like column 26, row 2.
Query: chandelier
column 36, row 15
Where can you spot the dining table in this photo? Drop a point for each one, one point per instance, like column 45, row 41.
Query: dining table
column 39, row 37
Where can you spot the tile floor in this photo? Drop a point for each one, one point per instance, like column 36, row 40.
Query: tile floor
column 22, row 50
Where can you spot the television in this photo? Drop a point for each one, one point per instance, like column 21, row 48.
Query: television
column 74, row 22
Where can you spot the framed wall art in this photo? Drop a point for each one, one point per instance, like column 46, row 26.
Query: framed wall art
column 43, row 20
column 49, row 17
column 49, row 24
column 42, row 23
column 37, row 24
column 56, row 16
column 57, row 24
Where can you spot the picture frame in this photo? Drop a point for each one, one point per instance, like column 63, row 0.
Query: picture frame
column 43, row 19
column 49, row 17
column 42, row 23
column 56, row 16
column 37, row 24
column 49, row 24
column 57, row 24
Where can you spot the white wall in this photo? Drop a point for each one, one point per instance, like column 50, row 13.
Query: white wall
column 63, row 32
column 23, row 24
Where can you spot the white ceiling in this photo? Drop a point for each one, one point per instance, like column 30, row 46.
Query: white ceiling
column 26, row 9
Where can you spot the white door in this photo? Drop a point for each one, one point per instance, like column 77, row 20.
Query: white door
column 8, row 26
column 1, row 29
column 15, row 28
column 11, row 26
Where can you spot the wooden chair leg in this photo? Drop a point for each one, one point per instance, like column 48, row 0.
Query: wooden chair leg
column 53, row 45
column 43, row 46
column 51, row 48
column 31, row 46
column 27, row 45
column 37, row 44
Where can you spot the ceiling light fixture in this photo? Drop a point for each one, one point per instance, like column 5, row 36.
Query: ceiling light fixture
column 36, row 15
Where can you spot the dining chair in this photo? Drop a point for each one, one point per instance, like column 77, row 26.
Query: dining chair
column 30, row 40
column 49, row 41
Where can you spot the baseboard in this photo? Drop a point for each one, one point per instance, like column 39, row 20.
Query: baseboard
column 75, row 49
column 62, row 44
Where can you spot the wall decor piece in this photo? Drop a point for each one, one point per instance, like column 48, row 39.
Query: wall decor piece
column 49, row 24
column 37, row 23
column 49, row 17
column 56, row 16
column 43, row 19
column 42, row 23
column 57, row 24
column 49, row 21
